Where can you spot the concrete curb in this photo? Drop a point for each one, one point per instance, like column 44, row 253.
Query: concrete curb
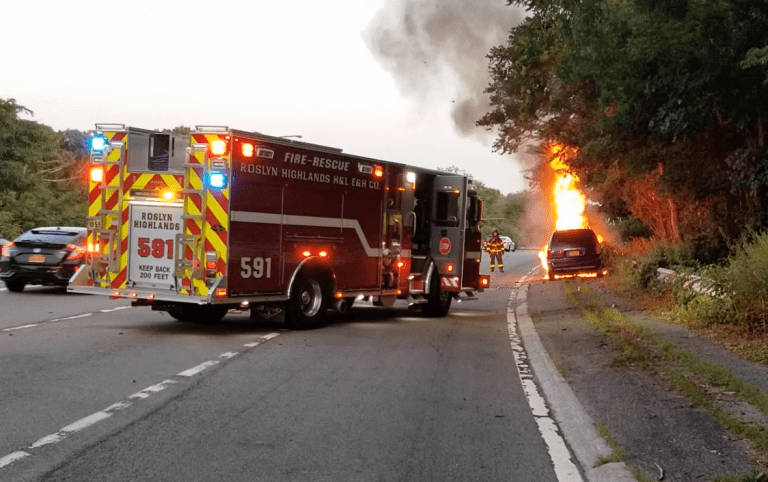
column 576, row 425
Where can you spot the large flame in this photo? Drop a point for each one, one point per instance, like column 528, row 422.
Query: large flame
column 568, row 202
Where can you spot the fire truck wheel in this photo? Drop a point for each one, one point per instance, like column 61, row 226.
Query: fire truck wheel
column 307, row 306
column 439, row 301
column 202, row 314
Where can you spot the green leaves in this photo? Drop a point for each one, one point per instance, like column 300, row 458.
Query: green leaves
column 641, row 85
column 39, row 174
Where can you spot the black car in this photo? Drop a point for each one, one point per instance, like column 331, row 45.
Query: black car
column 47, row 256
column 574, row 251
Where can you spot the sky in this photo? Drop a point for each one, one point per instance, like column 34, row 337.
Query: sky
column 396, row 80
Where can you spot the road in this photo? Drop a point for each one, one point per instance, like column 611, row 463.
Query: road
column 97, row 390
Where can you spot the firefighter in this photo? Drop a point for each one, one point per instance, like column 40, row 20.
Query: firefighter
column 495, row 247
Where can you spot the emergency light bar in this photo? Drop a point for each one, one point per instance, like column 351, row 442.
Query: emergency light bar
column 98, row 143
column 217, row 180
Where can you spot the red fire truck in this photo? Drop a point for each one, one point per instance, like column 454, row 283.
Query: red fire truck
column 199, row 224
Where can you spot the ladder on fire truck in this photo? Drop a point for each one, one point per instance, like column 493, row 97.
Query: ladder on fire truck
column 194, row 241
column 105, row 230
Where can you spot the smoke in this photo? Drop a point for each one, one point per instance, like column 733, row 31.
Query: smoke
column 431, row 45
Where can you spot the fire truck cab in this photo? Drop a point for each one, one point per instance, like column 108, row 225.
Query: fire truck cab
column 199, row 224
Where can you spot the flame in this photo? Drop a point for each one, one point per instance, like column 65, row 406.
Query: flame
column 569, row 203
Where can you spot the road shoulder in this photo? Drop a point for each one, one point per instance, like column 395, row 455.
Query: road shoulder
column 661, row 431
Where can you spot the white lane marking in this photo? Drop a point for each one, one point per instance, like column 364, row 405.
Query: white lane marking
column 84, row 315
column 229, row 354
column 21, row 327
column 197, row 369
column 11, row 458
column 565, row 469
column 253, row 344
column 116, row 309
column 74, row 317
column 86, row 422
column 153, row 389
column 118, row 406
column 104, row 414
column 72, row 428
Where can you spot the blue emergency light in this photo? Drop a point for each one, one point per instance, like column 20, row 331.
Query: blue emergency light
column 217, row 180
column 98, row 143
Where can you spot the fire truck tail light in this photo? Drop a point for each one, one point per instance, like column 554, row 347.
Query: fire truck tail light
column 97, row 174
column 306, row 254
column 247, row 150
column 218, row 148
column 400, row 264
column 378, row 171
column 485, row 281
column 323, row 254
column 449, row 268
column 211, row 263
column 220, row 293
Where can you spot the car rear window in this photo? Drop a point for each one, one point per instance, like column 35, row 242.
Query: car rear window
column 575, row 237
column 56, row 232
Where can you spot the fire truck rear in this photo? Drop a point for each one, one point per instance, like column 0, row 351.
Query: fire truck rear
column 223, row 219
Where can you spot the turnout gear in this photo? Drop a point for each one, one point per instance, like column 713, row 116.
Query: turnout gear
column 495, row 248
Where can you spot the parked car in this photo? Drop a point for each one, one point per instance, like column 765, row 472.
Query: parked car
column 47, row 256
column 509, row 245
column 574, row 251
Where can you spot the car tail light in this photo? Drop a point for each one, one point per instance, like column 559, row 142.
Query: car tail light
column 549, row 254
column 6, row 250
column 75, row 252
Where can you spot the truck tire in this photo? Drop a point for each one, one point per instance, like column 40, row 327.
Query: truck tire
column 202, row 314
column 439, row 301
column 307, row 307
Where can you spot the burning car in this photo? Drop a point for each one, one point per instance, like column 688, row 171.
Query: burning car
column 574, row 251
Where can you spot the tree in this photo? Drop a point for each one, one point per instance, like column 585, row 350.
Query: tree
column 640, row 87
column 38, row 181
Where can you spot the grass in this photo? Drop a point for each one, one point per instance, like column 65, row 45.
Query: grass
column 618, row 454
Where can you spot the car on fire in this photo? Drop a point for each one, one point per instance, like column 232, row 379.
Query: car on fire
column 45, row 256
column 574, row 251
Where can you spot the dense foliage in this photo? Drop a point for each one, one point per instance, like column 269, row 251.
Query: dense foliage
column 41, row 174
column 501, row 212
column 665, row 103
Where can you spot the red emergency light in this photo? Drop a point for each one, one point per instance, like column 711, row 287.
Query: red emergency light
column 219, row 147
column 247, row 150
